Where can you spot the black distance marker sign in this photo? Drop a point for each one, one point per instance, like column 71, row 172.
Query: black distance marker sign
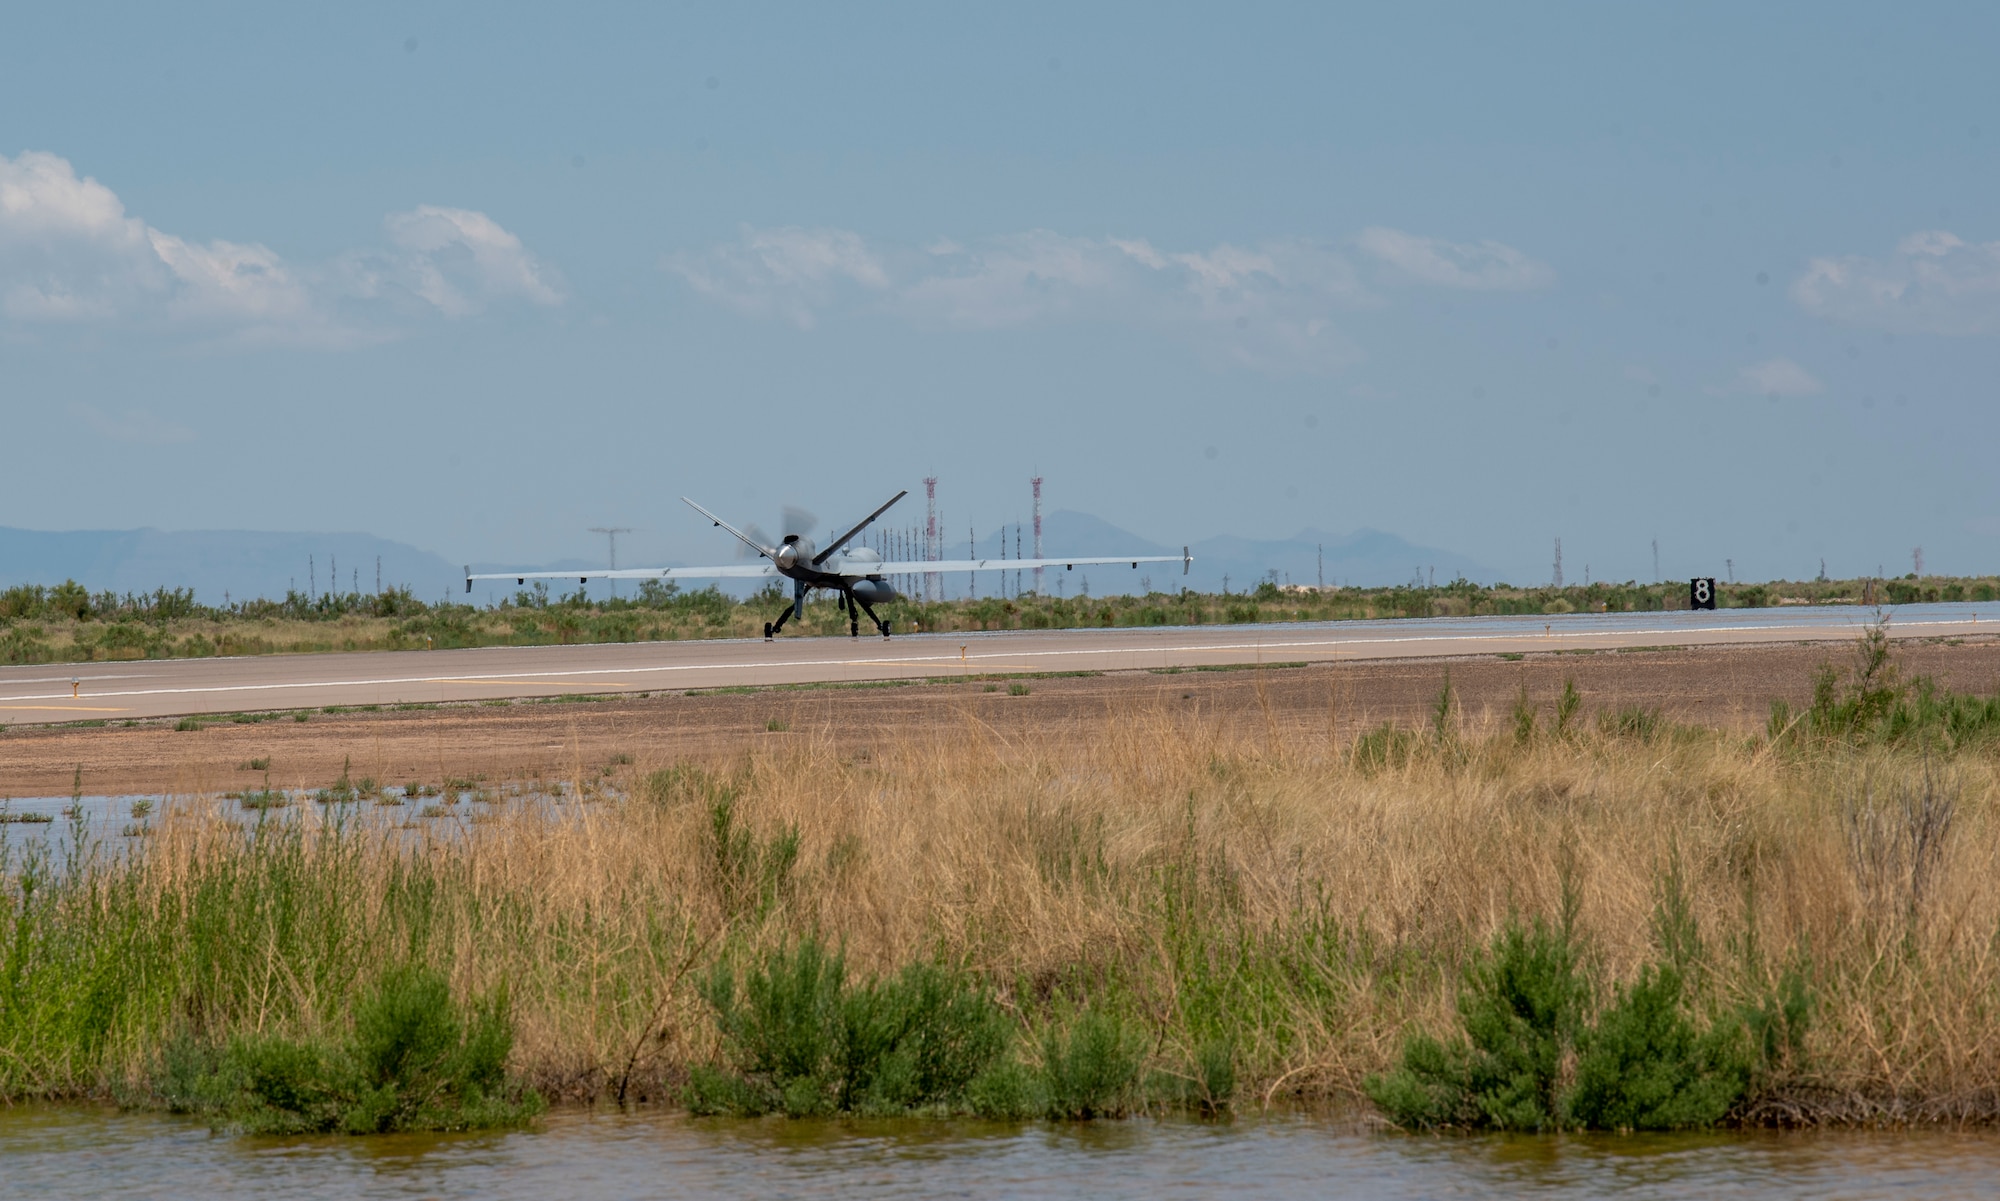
column 1701, row 592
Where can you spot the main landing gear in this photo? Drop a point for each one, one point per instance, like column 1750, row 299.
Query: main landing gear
column 854, row 619
column 849, row 602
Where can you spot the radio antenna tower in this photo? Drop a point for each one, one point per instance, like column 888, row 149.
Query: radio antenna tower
column 1037, row 482
column 1559, row 562
column 611, row 533
column 931, row 581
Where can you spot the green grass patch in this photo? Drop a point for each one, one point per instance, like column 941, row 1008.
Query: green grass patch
column 1246, row 666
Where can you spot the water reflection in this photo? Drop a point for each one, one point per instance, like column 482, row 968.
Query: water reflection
column 58, row 1151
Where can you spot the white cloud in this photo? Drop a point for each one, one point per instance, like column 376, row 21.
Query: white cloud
column 787, row 272
column 462, row 260
column 69, row 253
column 134, row 425
column 1268, row 307
column 1934, row 283
column 1773, row 378
column 1477, row 266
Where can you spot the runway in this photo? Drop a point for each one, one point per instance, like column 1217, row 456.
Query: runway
column 168, row 688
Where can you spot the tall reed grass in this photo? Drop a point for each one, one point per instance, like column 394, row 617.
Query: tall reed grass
column 1273, row 915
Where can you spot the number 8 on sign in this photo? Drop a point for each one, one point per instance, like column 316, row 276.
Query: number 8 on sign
column 1701, row 593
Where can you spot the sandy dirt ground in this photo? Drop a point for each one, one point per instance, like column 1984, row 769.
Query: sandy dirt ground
column 529, row 740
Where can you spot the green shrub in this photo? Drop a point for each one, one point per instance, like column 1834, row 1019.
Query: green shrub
column 1385, row 746
column 1092, row 1071
column 1633, row 721
column 1644, row 1066
column 1521, row 1011
column 413, row 1060
column 1524, row 718
column 800, row 1039
column 1567, row 706
column 1535, row 1056
column 1007, row 1091
column 1209, row 1086
column 1522, row 1004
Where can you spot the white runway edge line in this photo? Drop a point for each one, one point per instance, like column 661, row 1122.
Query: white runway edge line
column 915, row 660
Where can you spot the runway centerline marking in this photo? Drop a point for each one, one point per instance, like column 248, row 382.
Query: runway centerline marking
column 479, row 681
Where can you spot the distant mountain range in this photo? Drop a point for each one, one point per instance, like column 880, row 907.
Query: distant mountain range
column 1369, row 558
column 245, row 563
column 238, row 563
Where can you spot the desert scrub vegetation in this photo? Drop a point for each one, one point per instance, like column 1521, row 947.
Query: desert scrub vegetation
column 67, row 623
column 1552, row 923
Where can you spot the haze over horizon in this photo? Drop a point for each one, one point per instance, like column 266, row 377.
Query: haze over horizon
column 480, row 278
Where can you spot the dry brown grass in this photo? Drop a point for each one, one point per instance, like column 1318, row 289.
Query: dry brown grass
column 1267, row 887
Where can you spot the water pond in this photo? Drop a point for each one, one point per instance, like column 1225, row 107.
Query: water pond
column 73, row 1151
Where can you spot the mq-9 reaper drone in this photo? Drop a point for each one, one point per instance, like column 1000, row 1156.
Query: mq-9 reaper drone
column 855, row 572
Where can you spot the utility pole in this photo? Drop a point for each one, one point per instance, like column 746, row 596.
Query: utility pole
column 1321, row 548
column 1559, row 562
column 1917, row 561
column 1656, row 560
column 611, row 533
column 1730, row 564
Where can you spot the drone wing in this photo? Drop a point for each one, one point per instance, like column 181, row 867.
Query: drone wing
column 735, row 571
column 914, row 566
column 747, row 540
column 867, row 521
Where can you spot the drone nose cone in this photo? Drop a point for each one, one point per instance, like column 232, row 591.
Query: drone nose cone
column 788, row 555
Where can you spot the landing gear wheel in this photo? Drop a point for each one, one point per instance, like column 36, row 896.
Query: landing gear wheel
column 885, row 628
column 767, row 631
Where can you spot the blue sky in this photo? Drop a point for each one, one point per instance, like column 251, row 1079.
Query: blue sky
column 479, row 277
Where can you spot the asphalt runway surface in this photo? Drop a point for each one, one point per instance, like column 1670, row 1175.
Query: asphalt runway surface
column 168, row 688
